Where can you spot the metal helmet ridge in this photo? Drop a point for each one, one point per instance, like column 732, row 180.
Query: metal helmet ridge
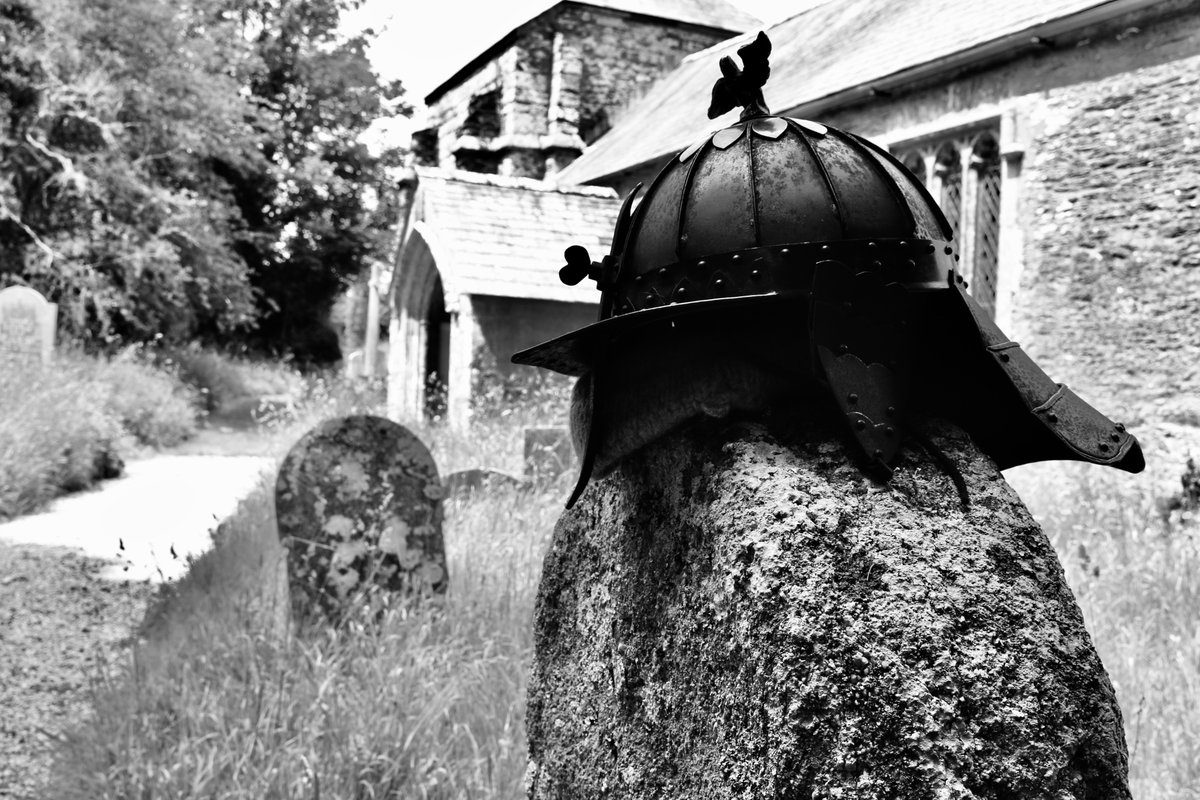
column 791, row 217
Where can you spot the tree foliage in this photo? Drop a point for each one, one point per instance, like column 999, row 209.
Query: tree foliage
column 190, row 169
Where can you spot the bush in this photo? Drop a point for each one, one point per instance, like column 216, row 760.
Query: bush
column 152, row 405
column 56, row 434
column 221, row 380
column 64, row 427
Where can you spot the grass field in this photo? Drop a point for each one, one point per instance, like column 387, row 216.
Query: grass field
column 224, row 700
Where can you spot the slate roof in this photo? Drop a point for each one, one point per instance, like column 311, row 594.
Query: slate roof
column 710, row 13
column 505, row 236
column 717, row 14
column 816, row 54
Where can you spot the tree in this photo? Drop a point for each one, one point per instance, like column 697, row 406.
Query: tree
column 321, row 222
column 189, row 170
column 112, row 212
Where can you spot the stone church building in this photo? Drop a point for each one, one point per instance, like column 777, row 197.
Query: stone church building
column 1061, row 137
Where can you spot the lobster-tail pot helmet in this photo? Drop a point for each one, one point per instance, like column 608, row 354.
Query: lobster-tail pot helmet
column 787, row 216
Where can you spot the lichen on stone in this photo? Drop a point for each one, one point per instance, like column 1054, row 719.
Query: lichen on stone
column 736, row 611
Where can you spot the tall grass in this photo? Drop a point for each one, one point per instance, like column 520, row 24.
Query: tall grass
column 1136, row 575
column 65, row 426
column 224, row 698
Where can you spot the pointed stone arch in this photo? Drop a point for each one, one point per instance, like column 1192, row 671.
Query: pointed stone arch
column 431, row 334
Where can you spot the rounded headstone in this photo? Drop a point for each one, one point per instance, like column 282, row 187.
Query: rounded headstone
column 359, row 507
column 27, row 325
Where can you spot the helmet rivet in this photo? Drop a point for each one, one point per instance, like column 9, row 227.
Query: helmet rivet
column 889, row 430
column 701, row 263
column 1052, row 417
column 956, row 257
column 683, row 237
column 872, row 244
column 929, row 248
column 910, row 264
column 639, row 278
column 755, row 274
column 1004, row 356
column 735, row 257
column 1121, row 427
column 966, row 285
column 662, row 272
column 681, row 291
column 878, row 453
column 785, row 251
column 876, row 265
column 843, row 348
column 1116, row 437
column 852, row 398
column 949, row 249
column 1104, row 447
column 891, row 411
column 824, row 248
column 860, row 424
column 903, row 243
column 648, row 298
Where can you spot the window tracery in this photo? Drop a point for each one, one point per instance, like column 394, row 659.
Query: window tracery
column 962, row 172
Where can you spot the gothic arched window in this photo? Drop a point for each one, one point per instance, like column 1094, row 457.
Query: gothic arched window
column 962, row 172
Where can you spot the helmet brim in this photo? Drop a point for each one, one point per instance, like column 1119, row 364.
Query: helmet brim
column 576, row 352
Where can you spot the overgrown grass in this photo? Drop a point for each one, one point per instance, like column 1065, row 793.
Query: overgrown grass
column 1136, row 575
column 224, row 699
column 65, row 426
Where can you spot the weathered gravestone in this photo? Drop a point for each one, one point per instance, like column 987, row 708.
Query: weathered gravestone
column 27, row 325
column 792, row 576
column 359, row 507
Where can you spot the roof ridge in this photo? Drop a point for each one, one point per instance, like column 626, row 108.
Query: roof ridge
column 506, row 182
column 751, row 34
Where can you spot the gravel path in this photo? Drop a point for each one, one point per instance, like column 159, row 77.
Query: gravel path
column 75, row 583
column 60, row 623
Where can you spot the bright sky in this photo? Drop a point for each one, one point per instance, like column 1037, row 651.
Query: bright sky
column 424, row 42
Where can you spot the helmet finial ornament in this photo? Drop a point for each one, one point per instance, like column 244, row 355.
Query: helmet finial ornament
column 743, row 87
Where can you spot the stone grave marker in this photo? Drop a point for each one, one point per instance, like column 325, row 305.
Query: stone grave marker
column 27, row 325
column 359, row 507
column 468, row 481
column 548, row 453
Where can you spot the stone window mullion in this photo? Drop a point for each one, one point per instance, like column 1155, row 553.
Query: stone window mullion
column 970, row 191
column 933, row 181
